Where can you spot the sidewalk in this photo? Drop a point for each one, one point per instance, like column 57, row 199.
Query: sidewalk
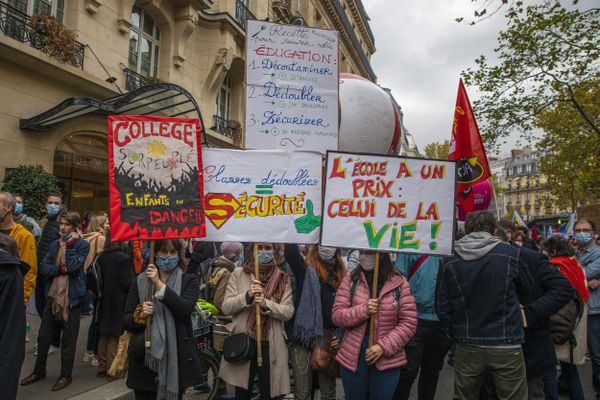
column 85, row 385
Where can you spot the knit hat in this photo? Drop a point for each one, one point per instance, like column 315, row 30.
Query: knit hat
column 231, row 250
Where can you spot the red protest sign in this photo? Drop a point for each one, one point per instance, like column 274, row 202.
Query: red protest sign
column 155, row 180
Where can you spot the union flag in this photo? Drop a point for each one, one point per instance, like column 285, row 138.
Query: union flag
column 466, row 148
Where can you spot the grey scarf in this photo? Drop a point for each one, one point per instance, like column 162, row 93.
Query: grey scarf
column 162, row 355
column 308, row 325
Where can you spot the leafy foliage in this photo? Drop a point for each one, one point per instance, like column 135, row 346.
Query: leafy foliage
column 438, row 150
column 571, row 149
column 34, row 184
column 546, row 52
column 60, row 41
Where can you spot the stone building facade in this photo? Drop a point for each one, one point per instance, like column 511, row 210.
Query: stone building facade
column 123, row 45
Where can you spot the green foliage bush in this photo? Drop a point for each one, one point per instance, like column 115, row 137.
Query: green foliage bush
column 34, row 184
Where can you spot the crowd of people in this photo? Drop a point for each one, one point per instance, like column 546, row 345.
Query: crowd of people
column 504, row 310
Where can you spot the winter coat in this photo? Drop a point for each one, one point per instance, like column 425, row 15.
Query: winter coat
column 76, row 253
column 50, row 233
column 221, row 271
column 477, row 297
column 395, row 323
column 235, row 304
column 139, row 377
column 27, row 254
column 12, row 324
column 113, row 272
column 589, row 259
column 422, row 283
column 550, row 291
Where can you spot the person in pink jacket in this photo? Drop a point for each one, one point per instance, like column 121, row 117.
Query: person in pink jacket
column 373, row 372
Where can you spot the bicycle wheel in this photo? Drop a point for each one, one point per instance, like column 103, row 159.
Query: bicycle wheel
column 211, row 383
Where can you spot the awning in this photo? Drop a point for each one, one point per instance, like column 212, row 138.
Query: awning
column 161, row 99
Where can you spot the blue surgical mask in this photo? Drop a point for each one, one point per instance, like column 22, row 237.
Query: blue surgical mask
column 18, row 208
column 167, row 263
column 583, row 237
column 265, row 256
column 240, row 260
column 53, row 210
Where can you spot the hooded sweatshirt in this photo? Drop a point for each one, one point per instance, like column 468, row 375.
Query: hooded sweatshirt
column 475, row 245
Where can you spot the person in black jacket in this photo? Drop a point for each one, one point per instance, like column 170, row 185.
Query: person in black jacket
column 550, row 291
column 111, row 273
column 171, row 364
column 325, row 269
column 12, row 317
column 50, row 233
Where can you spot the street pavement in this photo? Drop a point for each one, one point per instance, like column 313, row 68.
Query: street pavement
column 86, row 386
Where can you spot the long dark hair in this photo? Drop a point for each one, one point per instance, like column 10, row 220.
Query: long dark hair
column 386, row 268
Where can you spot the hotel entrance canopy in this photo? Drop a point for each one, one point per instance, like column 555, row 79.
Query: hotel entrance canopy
column 159, row 99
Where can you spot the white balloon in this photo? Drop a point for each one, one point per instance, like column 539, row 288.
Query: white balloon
column 369, row 118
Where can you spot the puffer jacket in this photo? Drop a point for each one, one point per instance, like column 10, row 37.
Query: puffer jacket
column 395, row 323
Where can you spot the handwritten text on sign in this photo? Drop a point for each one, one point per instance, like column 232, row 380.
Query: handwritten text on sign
column 292, row 87
column 389, row 203
column 154, row 177
column 271, row 196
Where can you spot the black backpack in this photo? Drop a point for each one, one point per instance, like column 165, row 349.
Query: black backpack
column 563, row 323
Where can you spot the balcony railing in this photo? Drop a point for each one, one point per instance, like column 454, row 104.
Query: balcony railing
column 133, row 80
column 228, row 128
column 17, row 25
column 242, row 14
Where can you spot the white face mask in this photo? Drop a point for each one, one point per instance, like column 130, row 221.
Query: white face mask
column 367, row 261
column 326, row 253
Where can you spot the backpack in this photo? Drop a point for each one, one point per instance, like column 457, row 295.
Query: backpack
column 563, row 323
column 356, row 281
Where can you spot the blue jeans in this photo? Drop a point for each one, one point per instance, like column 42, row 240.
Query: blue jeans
column 368, row 383
column 593, row 338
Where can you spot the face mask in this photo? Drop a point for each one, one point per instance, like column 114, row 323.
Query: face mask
column 18, row 208
column 52, row 210
column 544, row 252
column 583, row 237
column 240, row 260
column 519, row 243
column 66, row 236
column 367, row 261
column 326, row 253
column 167, row 263
column 265, row 256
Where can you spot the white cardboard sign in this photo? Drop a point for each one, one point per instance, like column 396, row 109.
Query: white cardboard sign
column 291, row 87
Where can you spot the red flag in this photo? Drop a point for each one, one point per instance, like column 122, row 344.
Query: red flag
column 534, row 233
column 467, row 150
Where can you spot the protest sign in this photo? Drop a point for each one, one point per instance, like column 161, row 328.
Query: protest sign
column 291, row 87
column 386, row 203
column 271, row 196
column 156, row 191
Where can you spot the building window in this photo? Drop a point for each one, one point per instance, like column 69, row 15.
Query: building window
column 144, row 38
column 55, row 8
column 224, row 99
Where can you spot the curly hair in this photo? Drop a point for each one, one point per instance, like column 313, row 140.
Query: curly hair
column 558, row 246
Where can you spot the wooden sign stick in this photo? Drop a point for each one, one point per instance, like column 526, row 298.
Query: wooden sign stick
column 374, row 296
column 258, row 330
column 149, row 296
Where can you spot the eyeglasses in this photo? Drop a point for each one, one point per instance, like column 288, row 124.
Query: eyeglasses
column 582, row 230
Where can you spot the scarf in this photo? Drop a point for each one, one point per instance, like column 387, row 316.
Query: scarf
column 274, row 282
column 59, row 290
column 308, row 324
column 162, row 355
column 571, row 269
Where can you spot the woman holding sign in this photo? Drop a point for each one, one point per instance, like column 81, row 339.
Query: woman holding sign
column 171, row 363
column 370, row 367
column 318, row 277
column 271, row 293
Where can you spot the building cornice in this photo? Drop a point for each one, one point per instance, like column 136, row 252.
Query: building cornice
column 360, row 15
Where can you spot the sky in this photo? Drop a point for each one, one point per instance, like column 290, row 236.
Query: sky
column 421, row 51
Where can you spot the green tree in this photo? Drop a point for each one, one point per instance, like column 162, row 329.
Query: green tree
column 570, row 149
column 34, row 184
column 546, row 52
column 438, row 150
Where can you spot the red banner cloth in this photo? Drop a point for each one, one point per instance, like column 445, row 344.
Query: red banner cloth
column 155, row 178
column 467, row 149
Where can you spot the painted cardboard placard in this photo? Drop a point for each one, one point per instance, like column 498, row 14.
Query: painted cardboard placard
column 262, row 195
column 291, row 87
column 388, row 203
column 155, row 181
